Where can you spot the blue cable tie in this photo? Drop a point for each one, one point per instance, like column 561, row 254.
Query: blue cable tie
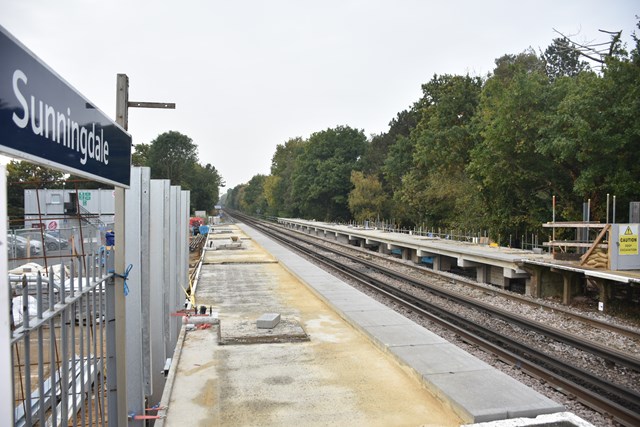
column 124, row 276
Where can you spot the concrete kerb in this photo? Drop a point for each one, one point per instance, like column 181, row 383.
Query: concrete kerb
column 177, row 352
column 168, row 387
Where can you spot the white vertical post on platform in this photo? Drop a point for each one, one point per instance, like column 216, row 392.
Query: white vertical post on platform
column 168, row 281
column 183, row 246
column 133, row 300
column 159, row 316
column 117, row 386
column 145, row 269
column 6, row 369
column 174, row 204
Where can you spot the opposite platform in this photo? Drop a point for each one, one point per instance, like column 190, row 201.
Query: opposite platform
column 476, row 391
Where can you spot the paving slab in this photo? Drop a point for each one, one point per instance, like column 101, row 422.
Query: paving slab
column 439, row 358
column 494, row 395
column 245, row 331
column 376, row 317
column 402, row 335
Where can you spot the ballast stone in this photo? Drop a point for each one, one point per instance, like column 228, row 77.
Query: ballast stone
column 268, row 320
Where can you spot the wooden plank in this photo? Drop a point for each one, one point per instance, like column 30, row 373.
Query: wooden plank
column 595, row 245
column 572, row 244
column 576, row 224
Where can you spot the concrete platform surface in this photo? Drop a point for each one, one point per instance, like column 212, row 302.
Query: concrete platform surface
column 336, row 377
column 474, row 390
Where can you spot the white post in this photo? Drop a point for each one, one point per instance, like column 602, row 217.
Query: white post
column 6, row 370
column 133, row 301
column 118, row 396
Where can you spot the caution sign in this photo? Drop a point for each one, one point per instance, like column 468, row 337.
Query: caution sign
column 628, row 239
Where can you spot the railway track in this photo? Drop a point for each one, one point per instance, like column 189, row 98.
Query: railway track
column 616, row 401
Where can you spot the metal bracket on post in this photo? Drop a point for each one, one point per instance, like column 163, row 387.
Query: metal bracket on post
column 123, row 104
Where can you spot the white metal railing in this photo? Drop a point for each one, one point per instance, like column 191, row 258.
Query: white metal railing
column 58, row 344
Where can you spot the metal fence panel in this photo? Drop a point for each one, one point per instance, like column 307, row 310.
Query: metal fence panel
column 158, row 278
column 58, row 344
column 183, row 251
column 134, row 303
column 145, row 268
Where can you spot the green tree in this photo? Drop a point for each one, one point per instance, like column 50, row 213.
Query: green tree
column 171, row 156
column 367, row 200
column 377, row 150
column 237, row 198
column 271, row 186
column 204, row 185
column 435, row 184
column 321, row 182
column 511, row 175
column 562, row 59
column 140, row 157
column 595, row 133
column 279, row 188
column 254, row 200
column 174, row 156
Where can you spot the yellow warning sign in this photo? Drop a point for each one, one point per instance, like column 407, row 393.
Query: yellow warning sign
column 628, row 239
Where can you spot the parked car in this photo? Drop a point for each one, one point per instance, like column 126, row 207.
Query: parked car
column 17, row 246
column 51, row 241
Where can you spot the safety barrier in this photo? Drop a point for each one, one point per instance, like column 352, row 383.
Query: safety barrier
column 58, row 340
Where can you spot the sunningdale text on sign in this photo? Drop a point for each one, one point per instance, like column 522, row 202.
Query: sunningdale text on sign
column 57, row 126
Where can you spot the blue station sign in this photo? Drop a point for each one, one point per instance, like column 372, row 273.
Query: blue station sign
column 45, row 120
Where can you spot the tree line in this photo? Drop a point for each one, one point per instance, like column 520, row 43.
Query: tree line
column 477, row 153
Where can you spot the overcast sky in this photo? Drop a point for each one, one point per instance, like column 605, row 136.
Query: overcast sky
column 248, row 75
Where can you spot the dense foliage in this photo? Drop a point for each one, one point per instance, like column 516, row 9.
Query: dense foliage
column 476, row 152
column 174, row 156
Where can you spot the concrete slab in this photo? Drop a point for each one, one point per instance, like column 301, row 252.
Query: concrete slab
column 402, row 335
column 438, row 358
column 353, row 304
column 243, row 331
column 489, row 395
column 376, row 317
column 268, row 321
